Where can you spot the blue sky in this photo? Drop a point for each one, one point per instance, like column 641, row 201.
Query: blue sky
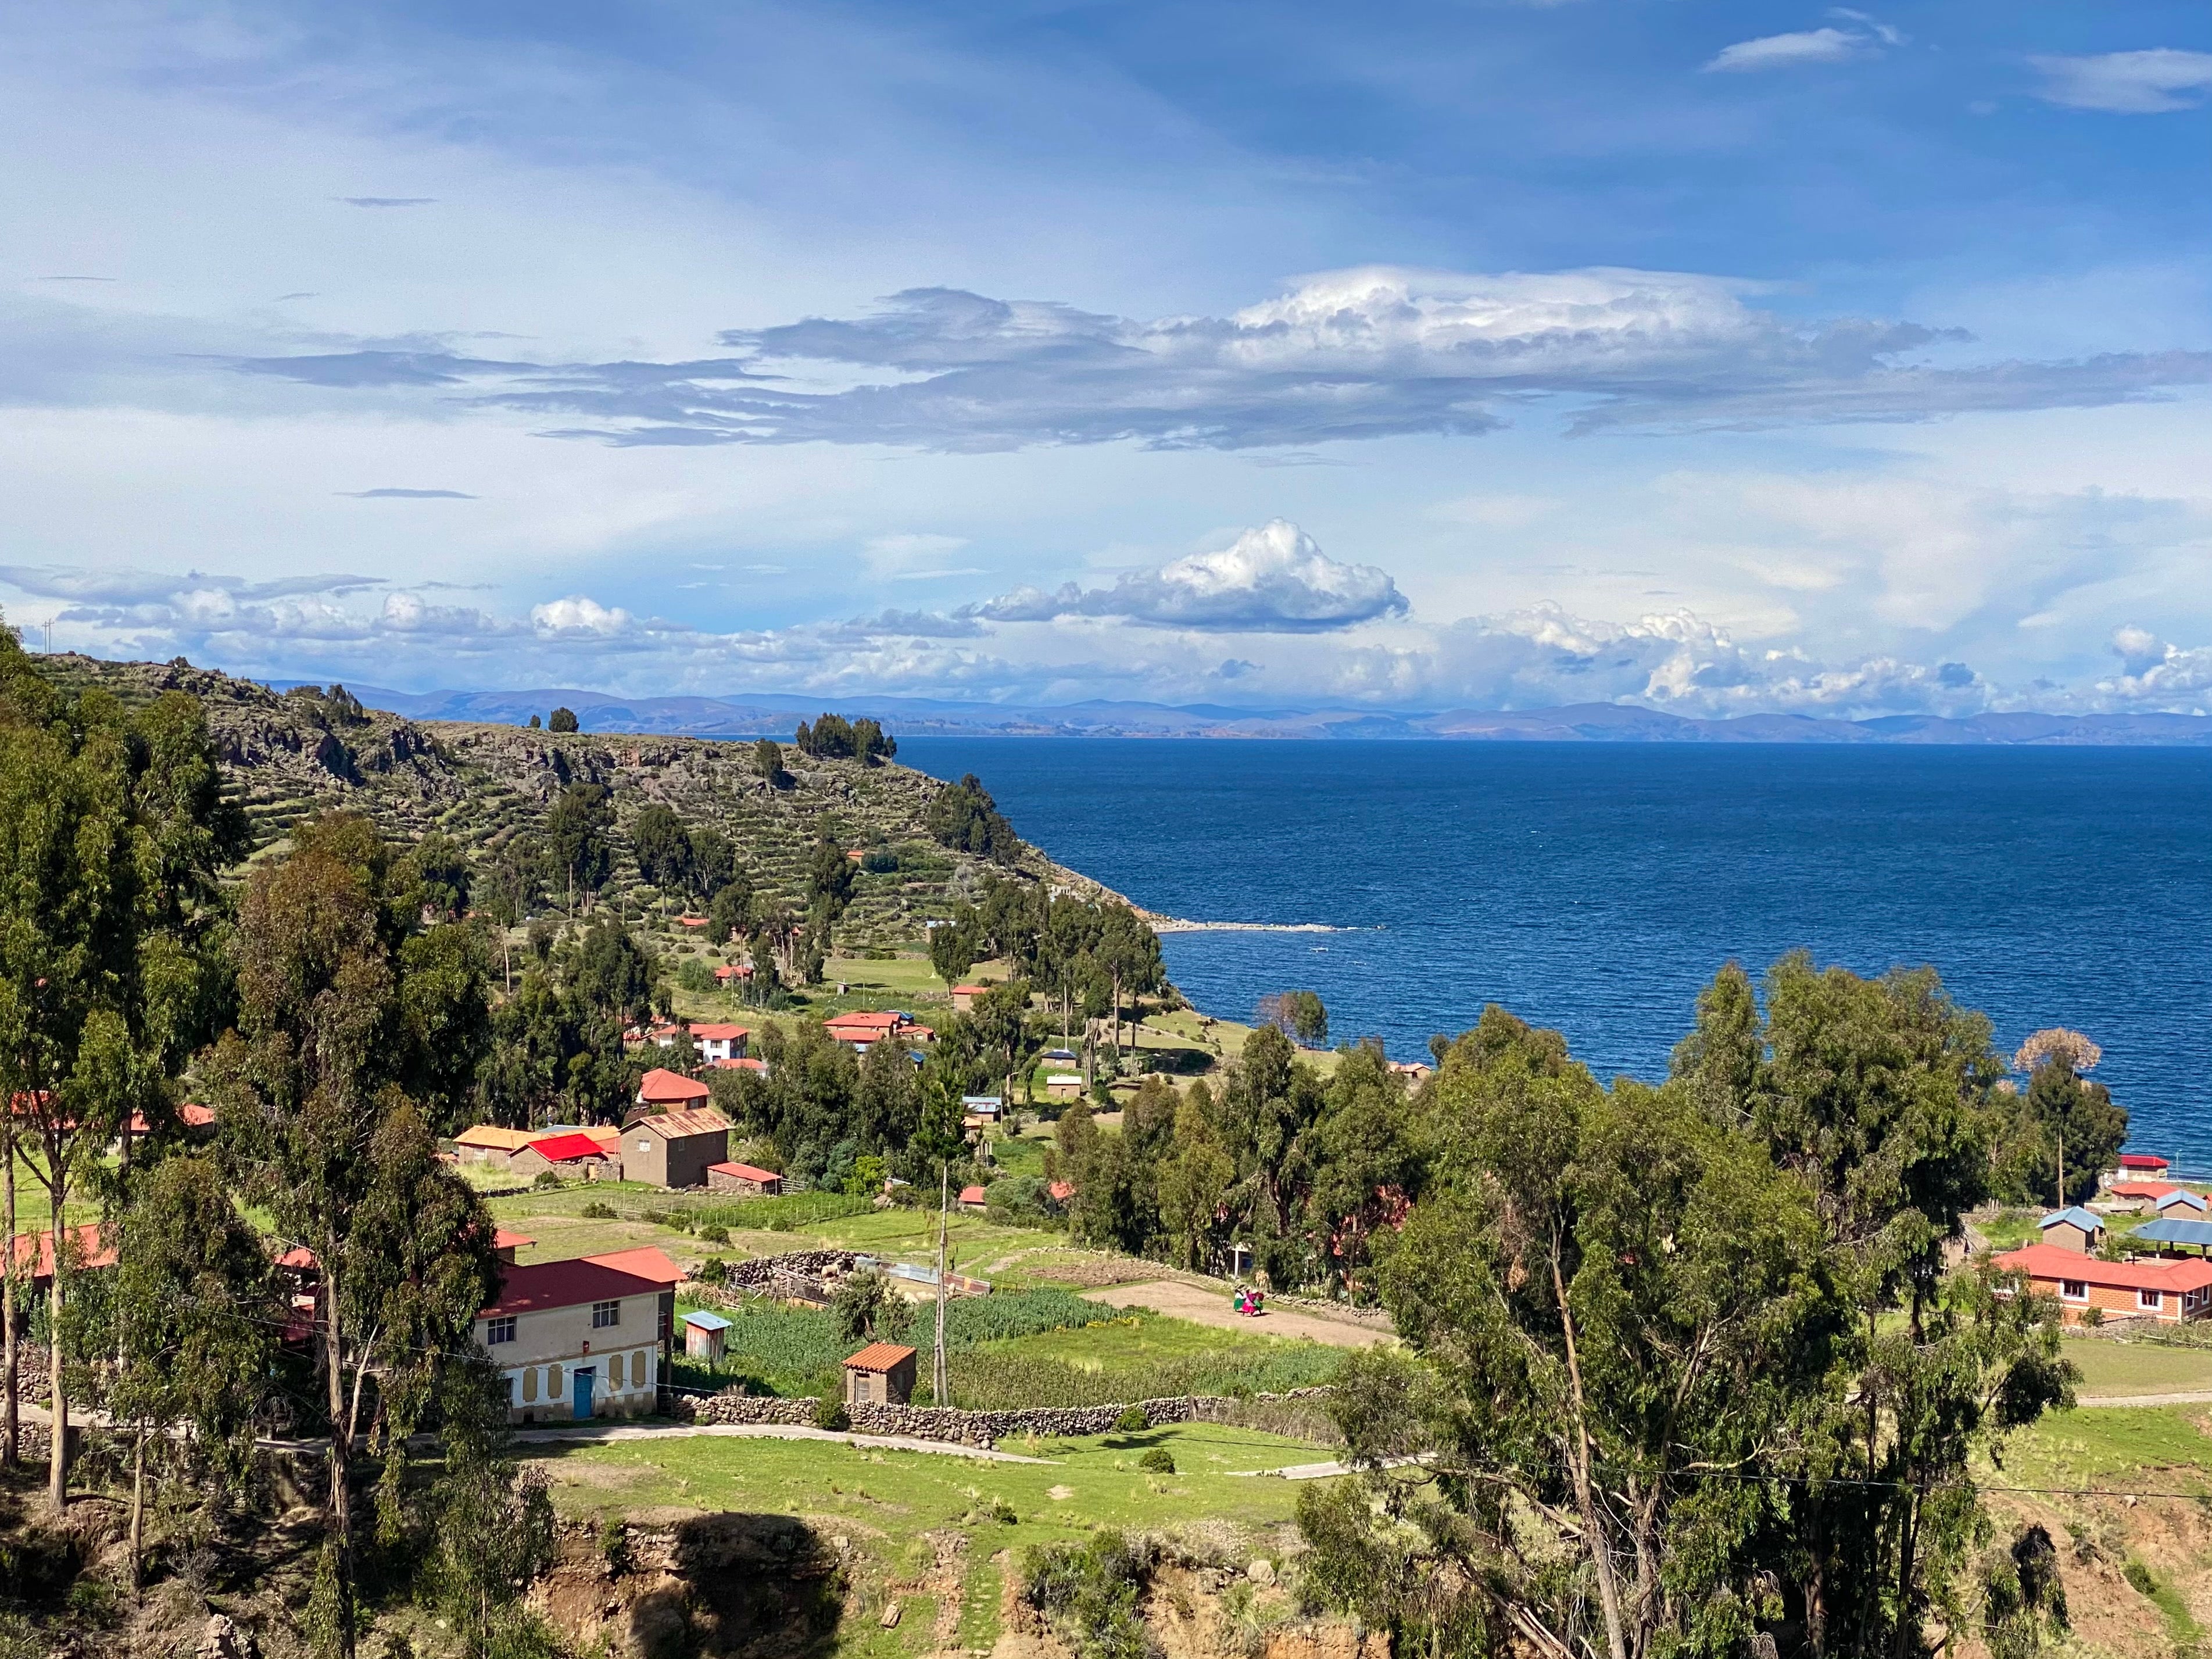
column 1719, row 357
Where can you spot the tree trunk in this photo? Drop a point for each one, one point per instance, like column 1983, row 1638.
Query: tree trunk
column 137, row 1508
column 1578, row 1463
column 57, row 1387
column 11, row 1449
column 338, row 1523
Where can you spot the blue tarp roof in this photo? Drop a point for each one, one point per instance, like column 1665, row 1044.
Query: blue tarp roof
column 2075, row 1214
column 2176, row 1232
column 705, row 1320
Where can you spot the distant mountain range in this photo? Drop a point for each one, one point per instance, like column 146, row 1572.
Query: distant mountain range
column 1590, row 722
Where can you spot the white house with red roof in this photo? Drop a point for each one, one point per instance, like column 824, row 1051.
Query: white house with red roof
column 718, row 1042
column 581, row 1339
column 2168, row 1291
column 2139, row 1166
column 863, row 1031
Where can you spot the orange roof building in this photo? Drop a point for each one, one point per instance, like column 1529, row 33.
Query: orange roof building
column 662, row 1087
column 881, row 1374
column 2168, row 1291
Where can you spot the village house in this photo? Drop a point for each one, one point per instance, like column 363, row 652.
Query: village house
column 1063, row 1085
column 971, row 1198
column 674, row 1149
column 742, row 1063
column 881, row 1374
column 2140, row 1166
column 88, row 1249
column 2073, row 1229
column 2179, row 1204
column 575, row 1155
column 963, row 996
column 2132, row 1197
column 730, row 973
column 579, row 1339
column 488, row 1143
column 864, row 1030
column 743, row 1181
column 662, row 1087
column 719, row 1042
column 2170, row 1291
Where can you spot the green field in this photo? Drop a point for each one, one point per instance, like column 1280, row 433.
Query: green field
column 882, row 1502
column 2110, row 1367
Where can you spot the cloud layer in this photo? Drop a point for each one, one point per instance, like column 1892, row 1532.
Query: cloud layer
column 1369, row 353
column 2153, row 83
column 1271, row 580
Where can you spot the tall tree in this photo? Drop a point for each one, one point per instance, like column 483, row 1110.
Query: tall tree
column 112, row 830
column 321, row 1130
column 195, row 1313
column 576, row 837
column 661, row 844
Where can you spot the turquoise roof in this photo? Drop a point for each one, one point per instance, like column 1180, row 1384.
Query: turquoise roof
column 705, row 1320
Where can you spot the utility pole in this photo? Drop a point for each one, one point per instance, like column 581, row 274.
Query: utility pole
column 2062, row 1168
column 940, row 1379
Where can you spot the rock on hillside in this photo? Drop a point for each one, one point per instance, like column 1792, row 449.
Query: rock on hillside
column 303, row 751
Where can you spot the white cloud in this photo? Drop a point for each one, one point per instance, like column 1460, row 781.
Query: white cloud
column 580, row 618
column 2151, row 83
column 1772, row 52
column 1274, row 578
column 2156, row 675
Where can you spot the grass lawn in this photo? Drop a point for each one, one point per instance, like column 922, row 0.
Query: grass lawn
column 2119, row 1368
column 2150, row 1449
column 1132, row 1343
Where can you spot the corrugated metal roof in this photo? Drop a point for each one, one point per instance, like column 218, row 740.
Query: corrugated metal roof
column 2176, row 1232
column 680, row 1125
column 565, row 1284
column 561, row 1149
column 707, row 1321
column 2048, row 1261
column 2074, row 1216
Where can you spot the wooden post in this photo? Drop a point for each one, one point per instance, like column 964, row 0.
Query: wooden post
column 940, row 1376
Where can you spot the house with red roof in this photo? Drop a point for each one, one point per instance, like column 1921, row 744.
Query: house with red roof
column 863, row 1031
column 881, row 1374
column 85, row 1249
column 717, row 1041
column 971, row 1198
column 576, row 1155
column 743, row 1181
column 662, row 1087
column 2143, row 1166
column 732, row 971
column 2168, row 1291
column 751, row 1063
column 963, row 996
column 584, row 1338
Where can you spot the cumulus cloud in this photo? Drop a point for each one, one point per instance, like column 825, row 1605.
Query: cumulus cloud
column 2150, row 82
column 2156, row 675
column 580, row 618
column 1272, row 579
column 1372, row 352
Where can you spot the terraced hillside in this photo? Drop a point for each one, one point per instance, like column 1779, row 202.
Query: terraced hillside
column 303, row 751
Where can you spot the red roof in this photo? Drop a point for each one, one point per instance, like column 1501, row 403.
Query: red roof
column 745, row 1171
column 720, row 1033
column 661, row 1084
column 741, row 1063
column 2151, row 1189
column 566, row 1285
column 969, row 990
column 2048, row 1264
column 875, row 1020
column 1061, row 1191
column 2141, row 1160
column 646, row 1261
column 691, row 922
column 879, row 1356
column 503, row 1240
column 971, row 1194
column 563, row 1149
column 734, row 971
column 34, row 1252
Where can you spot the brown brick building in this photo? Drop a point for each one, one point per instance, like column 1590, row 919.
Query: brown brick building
column 2167, row 1289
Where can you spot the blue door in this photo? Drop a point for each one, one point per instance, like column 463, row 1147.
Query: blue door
column 583, row 1375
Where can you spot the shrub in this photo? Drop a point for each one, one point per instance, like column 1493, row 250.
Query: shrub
column 2093, row 1317
column 595, row 1211
column 830, row 1413
column 1132, row 1421
column 715, row 1269
column 1158, row 1461
column 715, row 1234
column 1090, row 1591
column 546, row 1178
column 1003, row 1513
column 614, row 1546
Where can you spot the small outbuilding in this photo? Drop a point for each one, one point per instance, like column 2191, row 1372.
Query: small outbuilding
column 2073, row 1229
column 2143, row 1166
column 578, row 1156
column 489, row 1143
column 963, row 996
column 704, row 1336
column 2179, row 1201
column 1063, row 1085
column 675, row 1149
column 971, row 1198
column 881, row 1374
column 743, row 1181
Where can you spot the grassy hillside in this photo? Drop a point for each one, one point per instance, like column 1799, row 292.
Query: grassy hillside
column 299, row 752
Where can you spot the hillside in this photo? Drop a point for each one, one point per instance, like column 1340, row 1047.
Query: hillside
column 300, row 752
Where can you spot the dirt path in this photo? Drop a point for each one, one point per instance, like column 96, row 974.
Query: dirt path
column 1168, row 1296
column 2184, row 1397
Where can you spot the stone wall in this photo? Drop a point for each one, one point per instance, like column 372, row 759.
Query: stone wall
column 980, row 1429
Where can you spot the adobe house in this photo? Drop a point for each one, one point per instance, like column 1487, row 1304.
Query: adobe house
column 675, row 1149
column 2073, row 1229
column 575, row 1156
column 1063, row 1085
column 488, row 1143
column 742, row 1181
column 963, row 996
column 2178, row 1203
column 662, row 1087
column 576, row 1340
column 971, row 1198
column 881, row 1374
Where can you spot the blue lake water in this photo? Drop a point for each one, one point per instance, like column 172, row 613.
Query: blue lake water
column 1597, row 887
